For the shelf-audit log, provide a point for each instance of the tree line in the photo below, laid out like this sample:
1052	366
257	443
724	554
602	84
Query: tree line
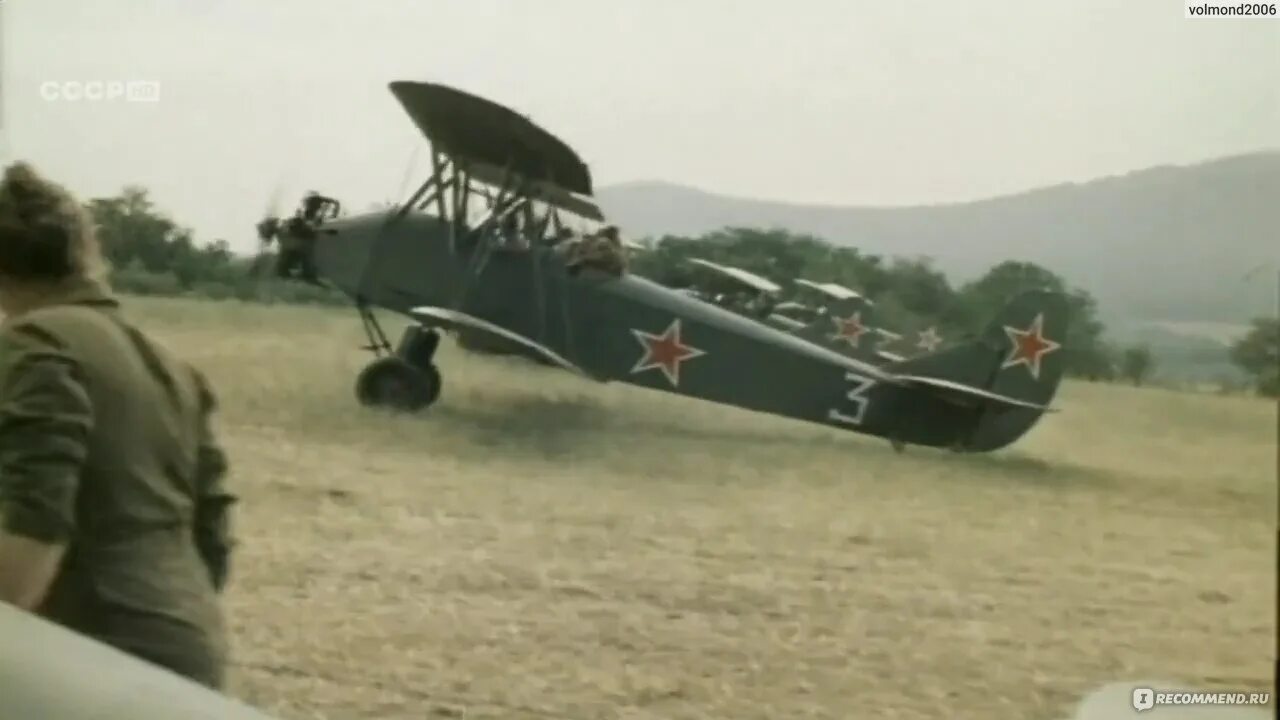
151	254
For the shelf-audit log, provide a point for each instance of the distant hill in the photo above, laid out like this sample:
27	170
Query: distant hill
1185	352
1162	244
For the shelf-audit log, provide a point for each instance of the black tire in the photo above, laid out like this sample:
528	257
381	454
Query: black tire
391	382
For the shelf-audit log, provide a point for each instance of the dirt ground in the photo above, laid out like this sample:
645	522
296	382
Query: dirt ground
539	546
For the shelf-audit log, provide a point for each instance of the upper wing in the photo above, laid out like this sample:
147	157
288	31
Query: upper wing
841	292
792	306
475	130
832	290
786	323
743	277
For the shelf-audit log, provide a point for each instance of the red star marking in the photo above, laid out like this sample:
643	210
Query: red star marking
664	352
929	340
849	329
1029	346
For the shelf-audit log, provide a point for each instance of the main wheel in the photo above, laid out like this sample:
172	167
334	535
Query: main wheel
391	382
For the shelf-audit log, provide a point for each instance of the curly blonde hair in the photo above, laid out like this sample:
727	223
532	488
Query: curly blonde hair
46	236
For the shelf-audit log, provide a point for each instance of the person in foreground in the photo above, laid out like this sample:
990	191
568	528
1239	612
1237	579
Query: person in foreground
114	513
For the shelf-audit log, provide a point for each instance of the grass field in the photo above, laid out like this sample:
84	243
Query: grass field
539	546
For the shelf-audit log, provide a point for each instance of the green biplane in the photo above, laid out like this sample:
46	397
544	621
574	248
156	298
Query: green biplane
481	247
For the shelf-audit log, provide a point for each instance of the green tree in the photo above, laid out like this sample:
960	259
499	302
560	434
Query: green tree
137	238
151	254
1136	364
1258	354
130	228
921	290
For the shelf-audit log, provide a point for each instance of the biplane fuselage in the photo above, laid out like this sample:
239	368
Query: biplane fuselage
629	329
432	262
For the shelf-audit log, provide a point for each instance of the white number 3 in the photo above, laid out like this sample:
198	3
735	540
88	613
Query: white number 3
857	395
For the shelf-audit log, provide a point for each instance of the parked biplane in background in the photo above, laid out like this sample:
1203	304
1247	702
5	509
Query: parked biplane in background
836	321
568	299
735	289
842	322
854	318
827	314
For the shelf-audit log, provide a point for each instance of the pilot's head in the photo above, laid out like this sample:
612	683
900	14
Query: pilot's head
610	232
47	239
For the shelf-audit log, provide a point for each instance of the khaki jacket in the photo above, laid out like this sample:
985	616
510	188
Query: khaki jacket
106	446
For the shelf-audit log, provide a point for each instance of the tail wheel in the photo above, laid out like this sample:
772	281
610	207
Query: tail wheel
393	383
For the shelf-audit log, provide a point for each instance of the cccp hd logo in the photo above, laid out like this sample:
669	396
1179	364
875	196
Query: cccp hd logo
100	90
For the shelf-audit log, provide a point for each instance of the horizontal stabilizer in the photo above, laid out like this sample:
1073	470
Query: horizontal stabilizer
969	395
452	319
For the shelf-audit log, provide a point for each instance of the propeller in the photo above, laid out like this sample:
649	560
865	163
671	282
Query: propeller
270	221
267	227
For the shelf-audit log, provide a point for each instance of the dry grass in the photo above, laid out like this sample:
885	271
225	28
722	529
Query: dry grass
538	546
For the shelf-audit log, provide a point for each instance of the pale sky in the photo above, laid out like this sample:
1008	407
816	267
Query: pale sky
839	101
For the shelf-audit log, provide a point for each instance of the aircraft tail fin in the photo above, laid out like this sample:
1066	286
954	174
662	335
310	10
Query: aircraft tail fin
1009	374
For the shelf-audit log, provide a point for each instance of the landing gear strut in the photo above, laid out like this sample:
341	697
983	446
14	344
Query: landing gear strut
405	380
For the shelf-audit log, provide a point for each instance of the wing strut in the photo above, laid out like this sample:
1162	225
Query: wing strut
433	183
